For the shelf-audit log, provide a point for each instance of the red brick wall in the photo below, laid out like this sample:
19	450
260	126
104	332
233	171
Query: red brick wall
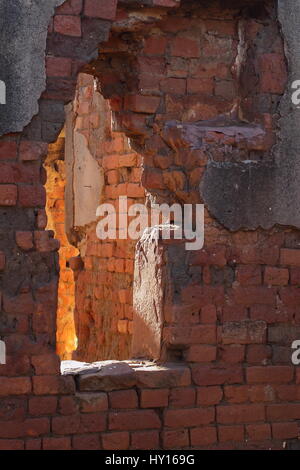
237	387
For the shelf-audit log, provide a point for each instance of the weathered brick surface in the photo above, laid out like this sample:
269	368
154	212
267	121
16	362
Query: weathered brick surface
235	310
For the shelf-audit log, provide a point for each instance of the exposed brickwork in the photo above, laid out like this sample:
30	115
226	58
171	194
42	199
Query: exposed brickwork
235	308
104	284
55	187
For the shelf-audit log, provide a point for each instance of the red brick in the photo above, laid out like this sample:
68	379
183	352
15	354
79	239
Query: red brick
2	262
166	3
144	440
12	429
273	73
30	427
24	240
209	395
201	353
261	393
258	253
93	422
44	241
234	414
231	433
41	220
142	104
115	440
46	364
31	195
67	406
86	442
92	402
212	375
33	444
32	151
290	296
112	177
200	85
52	385
70	7
110	162
175	439
105	9
8	150
232	354
208	314
11	444
154	398
66	424
190	334
290	257
269	314
67	25
149	83
14	368
188	417
214	255
244	332
42	405
295	276
36	426
258	354
13	408
180	397
234	312
14	386
259	432
8	195
129	159
175	86
58	67
287	392
226	89
19	172
152	179
123	399
254	295
276	276
122	326
153	66
249	275
56	443
203	295
283	412
203	436
269	374
185	47
155	45
135	190
228	28
236	394
132	420
285	430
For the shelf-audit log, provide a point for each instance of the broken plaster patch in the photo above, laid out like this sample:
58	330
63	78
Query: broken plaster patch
23	26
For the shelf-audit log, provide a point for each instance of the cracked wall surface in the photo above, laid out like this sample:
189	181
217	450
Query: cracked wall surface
267	191
226	314
23	26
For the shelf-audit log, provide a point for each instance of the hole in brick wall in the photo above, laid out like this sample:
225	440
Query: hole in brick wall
55	188
202	70
91	164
